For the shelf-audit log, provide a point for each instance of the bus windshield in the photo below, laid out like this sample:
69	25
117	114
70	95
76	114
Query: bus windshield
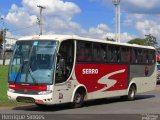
33	62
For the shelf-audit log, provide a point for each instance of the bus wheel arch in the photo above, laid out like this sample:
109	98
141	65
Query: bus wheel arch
78	96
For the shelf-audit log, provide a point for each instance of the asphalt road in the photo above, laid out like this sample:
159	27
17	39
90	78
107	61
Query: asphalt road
145	104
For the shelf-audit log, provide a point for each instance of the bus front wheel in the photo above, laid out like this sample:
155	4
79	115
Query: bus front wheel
78	99
41	106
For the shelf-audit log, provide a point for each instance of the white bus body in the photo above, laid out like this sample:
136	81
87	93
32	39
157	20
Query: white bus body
58	69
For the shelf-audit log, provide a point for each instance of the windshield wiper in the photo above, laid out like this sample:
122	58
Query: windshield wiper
29	68
31	74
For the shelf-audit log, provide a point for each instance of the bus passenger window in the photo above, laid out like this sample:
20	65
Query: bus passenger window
97	52
117	54
114	54
80	53
134	56
125	55
145	56
65	61
103	53
87	54
111	54
140	56
84	52
152	57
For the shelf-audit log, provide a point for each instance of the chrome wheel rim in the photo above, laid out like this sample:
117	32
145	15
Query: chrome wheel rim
132	93
77	98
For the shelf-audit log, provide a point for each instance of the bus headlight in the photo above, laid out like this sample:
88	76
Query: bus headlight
45	92
11	90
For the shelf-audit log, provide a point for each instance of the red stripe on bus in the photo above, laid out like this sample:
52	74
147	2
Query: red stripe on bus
39	87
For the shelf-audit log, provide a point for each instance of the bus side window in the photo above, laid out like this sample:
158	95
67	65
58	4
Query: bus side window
88	52
111	53
84	51
114	54
152	57
80	52
145	56
65	60
140	56
128	54
97	52
125	55
117	54
103	53
134	56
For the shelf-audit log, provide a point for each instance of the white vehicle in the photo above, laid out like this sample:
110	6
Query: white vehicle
58	69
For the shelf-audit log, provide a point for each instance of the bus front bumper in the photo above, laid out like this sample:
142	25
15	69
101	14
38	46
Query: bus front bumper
37	99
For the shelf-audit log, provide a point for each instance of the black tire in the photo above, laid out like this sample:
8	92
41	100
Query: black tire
41	105
78	100
132	93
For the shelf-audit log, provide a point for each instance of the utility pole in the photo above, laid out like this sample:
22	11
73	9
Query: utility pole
117	20
40	19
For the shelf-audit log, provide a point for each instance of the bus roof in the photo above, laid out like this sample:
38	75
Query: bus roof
76	37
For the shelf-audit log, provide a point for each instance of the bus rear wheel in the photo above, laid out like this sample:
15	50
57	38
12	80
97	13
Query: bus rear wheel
78	99
131	94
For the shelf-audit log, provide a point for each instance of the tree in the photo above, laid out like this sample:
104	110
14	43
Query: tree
158	49
149	40
1	37
138	41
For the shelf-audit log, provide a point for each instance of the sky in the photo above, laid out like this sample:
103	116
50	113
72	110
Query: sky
86	18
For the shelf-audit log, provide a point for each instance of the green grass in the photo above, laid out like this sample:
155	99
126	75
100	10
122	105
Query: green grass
4	101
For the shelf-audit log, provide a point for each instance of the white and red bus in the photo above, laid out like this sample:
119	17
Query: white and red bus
58	69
